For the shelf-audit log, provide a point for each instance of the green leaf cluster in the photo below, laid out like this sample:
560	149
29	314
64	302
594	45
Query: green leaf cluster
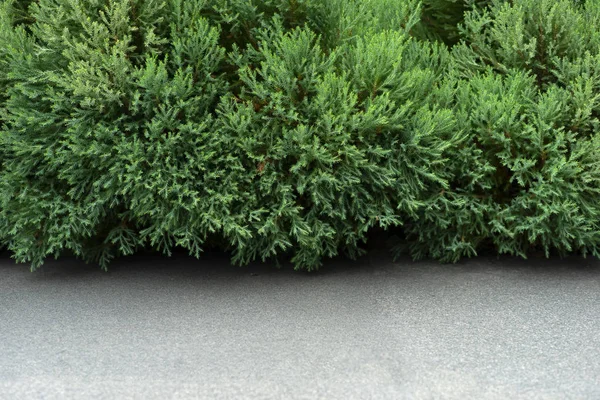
526	82
296	127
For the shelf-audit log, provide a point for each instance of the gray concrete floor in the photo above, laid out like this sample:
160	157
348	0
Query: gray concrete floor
181	328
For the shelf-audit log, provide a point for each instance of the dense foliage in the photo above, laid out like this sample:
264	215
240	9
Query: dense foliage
296	127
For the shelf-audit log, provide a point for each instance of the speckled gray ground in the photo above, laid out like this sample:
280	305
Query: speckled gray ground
180	328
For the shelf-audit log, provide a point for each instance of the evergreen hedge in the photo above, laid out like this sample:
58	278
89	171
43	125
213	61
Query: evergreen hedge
297	127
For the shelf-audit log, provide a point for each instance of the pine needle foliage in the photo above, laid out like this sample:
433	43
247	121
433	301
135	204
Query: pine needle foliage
441	19
272	128
527	97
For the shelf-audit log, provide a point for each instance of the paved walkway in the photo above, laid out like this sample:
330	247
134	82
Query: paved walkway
181	328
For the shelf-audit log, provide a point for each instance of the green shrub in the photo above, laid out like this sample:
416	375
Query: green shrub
296	127
146	123
9	17
527	97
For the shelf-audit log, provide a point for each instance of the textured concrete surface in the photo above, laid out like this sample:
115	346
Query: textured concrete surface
180	328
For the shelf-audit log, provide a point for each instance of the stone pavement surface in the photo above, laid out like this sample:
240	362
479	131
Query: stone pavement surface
182	328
